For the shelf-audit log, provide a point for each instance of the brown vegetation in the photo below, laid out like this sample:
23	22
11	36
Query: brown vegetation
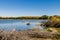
28	35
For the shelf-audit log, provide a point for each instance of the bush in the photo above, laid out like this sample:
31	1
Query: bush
53	22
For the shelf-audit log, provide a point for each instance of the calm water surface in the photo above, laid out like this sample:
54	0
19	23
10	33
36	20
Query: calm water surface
18	24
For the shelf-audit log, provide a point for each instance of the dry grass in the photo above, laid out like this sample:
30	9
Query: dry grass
28	35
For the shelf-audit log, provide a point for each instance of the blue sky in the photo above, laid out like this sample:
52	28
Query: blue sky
29	7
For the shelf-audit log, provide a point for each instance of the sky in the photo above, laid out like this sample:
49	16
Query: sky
29	7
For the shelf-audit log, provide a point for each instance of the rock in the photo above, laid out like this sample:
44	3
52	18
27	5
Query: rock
28	23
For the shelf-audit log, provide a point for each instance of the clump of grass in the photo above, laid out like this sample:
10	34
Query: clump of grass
58	29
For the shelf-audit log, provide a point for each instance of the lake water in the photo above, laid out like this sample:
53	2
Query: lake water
18	24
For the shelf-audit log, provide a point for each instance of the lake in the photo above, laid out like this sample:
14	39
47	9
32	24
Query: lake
19	24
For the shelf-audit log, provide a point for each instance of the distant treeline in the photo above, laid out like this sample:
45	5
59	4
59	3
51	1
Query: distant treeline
26	17
30	17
